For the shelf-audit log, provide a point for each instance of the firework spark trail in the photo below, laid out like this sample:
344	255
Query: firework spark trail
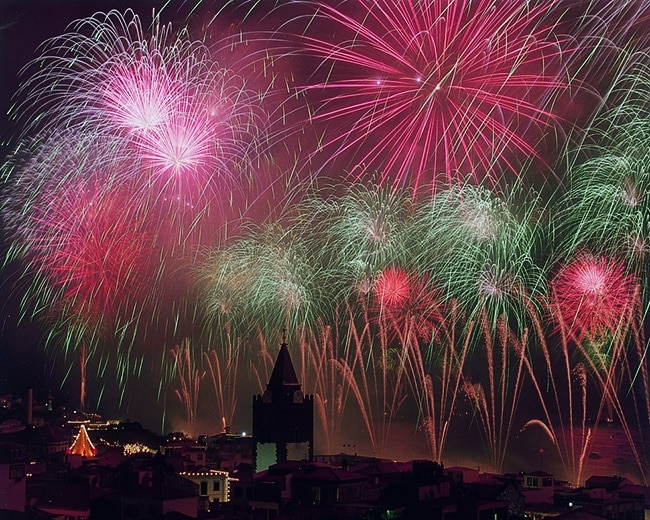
437	393
398	300
604	353
497	407
640	347
602	343
373	373
319	358
572	436
82	367
607	205
611	55
190	379
222	279
451	87
571	460
263	363
223	367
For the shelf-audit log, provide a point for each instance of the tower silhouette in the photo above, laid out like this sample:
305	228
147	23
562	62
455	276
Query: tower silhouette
283	417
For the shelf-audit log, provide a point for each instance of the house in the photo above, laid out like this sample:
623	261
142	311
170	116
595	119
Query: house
147	488
318	483
241	485
606	496
185	454
63	495
213	486
228	451
271	490
12	480
40	443
539	480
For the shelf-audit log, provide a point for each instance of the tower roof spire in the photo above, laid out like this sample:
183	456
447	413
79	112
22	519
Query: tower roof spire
283	376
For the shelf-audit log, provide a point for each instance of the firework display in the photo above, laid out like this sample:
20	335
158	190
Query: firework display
462	225
422	89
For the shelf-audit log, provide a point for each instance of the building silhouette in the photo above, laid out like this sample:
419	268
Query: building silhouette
283	417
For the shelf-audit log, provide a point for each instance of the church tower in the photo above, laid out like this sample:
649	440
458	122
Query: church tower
283	418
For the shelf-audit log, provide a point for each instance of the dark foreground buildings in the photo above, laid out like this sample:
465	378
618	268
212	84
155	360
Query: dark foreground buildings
283	418
125	472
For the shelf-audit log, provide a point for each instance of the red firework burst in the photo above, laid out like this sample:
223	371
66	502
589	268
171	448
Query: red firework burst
88	250
593	295
415	88
402	299
392	288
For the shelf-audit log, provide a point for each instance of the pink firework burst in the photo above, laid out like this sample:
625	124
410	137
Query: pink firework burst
413	88
138	96
189	125
190	128
593	295
190	133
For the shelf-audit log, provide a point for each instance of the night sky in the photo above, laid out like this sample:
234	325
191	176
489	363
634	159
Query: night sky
445	206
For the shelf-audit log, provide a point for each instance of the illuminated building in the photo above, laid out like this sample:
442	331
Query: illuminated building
82	444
